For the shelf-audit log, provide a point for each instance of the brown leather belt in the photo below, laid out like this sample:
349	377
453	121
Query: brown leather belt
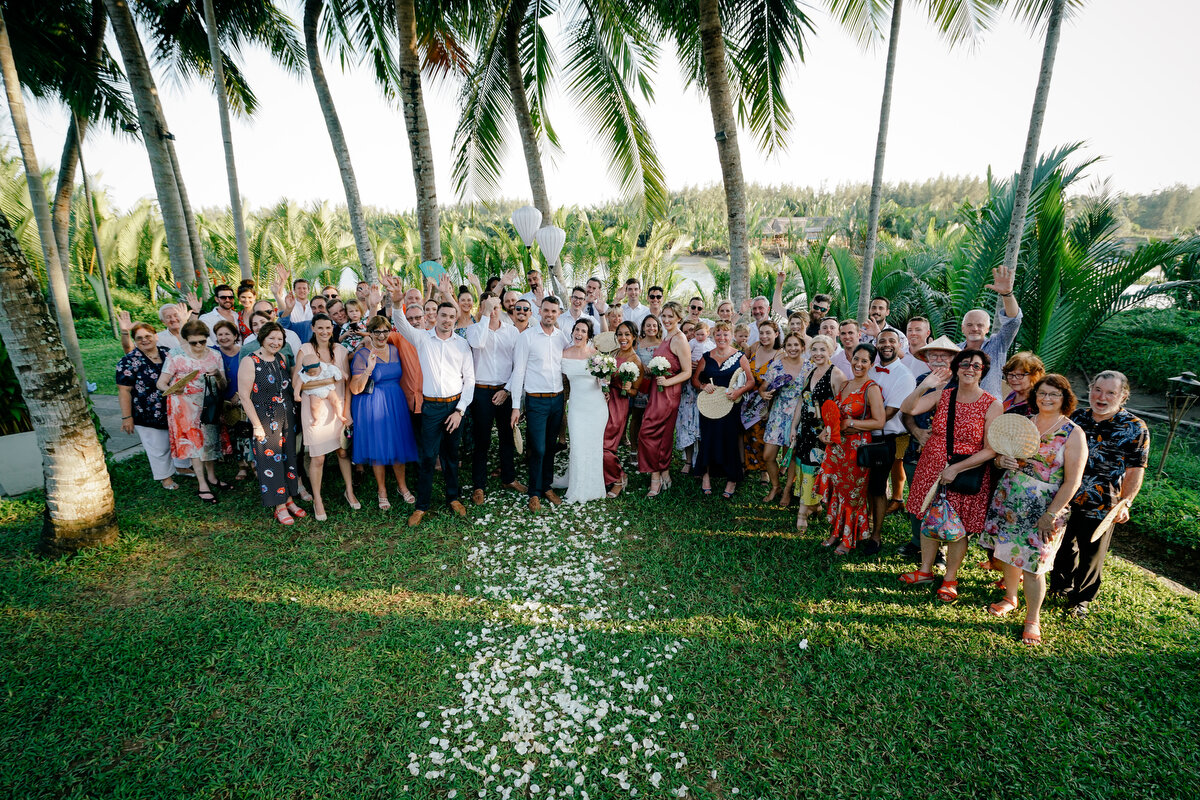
454	399
489	386
542	394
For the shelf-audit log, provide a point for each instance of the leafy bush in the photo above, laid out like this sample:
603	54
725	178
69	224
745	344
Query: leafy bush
14	415
1148	345
92	328
1168	508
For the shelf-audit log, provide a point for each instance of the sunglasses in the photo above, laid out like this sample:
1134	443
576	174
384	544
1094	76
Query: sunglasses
970	367
656	297
822	309
696	308
224	297
523	309
197	341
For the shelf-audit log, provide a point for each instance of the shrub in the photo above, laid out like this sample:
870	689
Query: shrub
1148	345
91	328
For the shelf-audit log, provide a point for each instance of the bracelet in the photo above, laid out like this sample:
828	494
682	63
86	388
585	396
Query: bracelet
1010	294
129	417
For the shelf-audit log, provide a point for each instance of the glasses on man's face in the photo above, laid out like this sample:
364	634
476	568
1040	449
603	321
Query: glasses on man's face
972	367
522	309
224	297
656	297
820	309
696	308
578	297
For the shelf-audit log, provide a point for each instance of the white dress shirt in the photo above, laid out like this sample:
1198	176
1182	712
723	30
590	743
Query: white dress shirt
896	384
916	366
301	312
635	315
212	318
493	351
167	339
447	367
537	363
842	362
567	323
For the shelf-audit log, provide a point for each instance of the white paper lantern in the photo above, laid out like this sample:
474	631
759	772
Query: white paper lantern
527	219
551	239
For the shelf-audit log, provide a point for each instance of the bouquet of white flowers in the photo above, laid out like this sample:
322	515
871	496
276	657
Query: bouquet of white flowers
659	367
602	366
628	372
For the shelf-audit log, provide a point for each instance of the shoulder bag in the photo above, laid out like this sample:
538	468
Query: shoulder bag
210	412
969	481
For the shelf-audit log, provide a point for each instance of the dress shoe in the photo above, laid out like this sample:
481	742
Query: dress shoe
458	508
553	497
870	547
517	486
416	518
535	504
477	497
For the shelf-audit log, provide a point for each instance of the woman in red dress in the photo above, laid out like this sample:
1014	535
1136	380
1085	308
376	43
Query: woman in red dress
656	438
620	392
842	483
974	411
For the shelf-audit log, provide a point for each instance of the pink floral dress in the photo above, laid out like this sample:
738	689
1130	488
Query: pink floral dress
1021	497
190	439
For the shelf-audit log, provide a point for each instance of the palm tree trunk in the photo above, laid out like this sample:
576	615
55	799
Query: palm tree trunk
235	197
417	127
87	196
885	112
40	203
712	42
153	125
61	218
1016	228
199	264
341	152
79	497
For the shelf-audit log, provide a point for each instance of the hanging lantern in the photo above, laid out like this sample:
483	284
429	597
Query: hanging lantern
551	239
527	220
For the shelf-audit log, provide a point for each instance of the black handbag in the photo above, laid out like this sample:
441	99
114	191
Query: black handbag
875	455
210	412
971	480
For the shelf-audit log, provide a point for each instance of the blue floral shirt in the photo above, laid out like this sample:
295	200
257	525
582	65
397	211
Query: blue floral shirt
1114	445
140	374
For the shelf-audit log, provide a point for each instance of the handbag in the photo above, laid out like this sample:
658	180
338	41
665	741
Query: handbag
971	480
210	412
874	455
941	522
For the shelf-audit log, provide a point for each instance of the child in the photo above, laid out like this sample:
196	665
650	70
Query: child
312	370
353	330
701	344
741	335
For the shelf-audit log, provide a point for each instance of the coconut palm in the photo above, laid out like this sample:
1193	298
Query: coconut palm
416	126
957	21
80	510
739	53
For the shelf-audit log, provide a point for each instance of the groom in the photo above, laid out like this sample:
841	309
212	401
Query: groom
537	377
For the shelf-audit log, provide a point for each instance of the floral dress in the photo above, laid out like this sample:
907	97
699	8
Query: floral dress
1021	498
787	388
842	483
275	455
190	439
140	374
754	417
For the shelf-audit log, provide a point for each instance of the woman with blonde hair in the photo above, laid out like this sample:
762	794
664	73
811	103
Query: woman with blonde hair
823	382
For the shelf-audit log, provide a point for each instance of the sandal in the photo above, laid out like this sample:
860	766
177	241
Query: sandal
409	497
841	550
241	475
222	485
1032	637
384	504
916	577
830	542
297	511
207	496
354	504
284	517
170	487
1001	608
948	592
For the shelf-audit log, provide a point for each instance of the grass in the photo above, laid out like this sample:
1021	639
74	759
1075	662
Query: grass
100	357
213	654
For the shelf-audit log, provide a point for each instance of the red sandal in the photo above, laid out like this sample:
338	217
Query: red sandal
916	576
284	517
297	511
948	592
1003	607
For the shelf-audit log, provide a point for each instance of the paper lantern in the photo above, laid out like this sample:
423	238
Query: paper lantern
527	220
551	239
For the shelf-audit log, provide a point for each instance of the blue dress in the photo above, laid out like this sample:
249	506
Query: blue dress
382	427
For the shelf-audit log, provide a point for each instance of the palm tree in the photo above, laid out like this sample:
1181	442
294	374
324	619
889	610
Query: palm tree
39	201
739	53
80	510
957	21
416	125
1034	11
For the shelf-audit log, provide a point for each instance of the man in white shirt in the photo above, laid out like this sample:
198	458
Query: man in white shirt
896	383
224	296
633	310
537	290
695	309
919	334
654	301
596	306
508	302
848	337
492	345
447	386
302	311
537	378
576	312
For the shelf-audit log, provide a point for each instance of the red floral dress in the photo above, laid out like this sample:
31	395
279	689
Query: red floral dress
970	422
841	482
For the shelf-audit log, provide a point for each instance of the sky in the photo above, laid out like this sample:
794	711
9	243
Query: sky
1119	86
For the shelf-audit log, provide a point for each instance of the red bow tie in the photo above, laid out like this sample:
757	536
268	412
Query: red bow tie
882	369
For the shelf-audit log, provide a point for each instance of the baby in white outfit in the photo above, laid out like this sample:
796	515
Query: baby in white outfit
701	344
313	370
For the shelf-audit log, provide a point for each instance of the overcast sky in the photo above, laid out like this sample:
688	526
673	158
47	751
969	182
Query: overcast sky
1120	85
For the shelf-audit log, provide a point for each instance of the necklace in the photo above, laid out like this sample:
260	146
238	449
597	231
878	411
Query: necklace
1050	427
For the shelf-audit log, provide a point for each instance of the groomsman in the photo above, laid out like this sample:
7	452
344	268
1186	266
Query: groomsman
537	377
447	387
492	344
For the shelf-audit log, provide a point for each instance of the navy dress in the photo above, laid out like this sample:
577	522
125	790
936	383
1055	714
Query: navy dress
383	431
275	455
719	451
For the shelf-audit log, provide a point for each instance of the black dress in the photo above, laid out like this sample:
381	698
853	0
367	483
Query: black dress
274	456
719	451
810	450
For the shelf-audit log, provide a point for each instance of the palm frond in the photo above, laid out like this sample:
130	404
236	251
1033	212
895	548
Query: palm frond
484	123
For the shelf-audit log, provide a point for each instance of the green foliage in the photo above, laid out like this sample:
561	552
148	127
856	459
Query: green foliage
1148	345
1168	507
14	414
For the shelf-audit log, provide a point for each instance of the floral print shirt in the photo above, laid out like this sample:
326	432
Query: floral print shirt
140	374
1114	445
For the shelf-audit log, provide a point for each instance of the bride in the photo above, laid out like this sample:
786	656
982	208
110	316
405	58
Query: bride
587	416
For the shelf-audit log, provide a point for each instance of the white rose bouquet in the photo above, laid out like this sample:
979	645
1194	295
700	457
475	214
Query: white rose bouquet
628	372
659	367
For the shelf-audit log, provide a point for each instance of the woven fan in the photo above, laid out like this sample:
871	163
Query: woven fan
606	342
1014	435
715	405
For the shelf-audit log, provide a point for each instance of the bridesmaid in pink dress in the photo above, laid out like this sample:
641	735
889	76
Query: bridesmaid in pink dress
618	407
656	439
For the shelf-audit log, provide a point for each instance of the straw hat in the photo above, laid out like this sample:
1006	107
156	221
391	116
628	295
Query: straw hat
715	405
1014	435
606	342
940	343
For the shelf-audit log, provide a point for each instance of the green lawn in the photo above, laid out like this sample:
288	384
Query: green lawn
646	645
100	358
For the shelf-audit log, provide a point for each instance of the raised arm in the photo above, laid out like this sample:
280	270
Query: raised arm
777	306
917	401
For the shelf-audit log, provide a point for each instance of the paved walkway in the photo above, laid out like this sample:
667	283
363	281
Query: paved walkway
121	445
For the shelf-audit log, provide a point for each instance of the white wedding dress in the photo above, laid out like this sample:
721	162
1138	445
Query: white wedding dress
587	417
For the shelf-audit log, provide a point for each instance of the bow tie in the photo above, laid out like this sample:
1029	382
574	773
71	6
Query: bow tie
883	370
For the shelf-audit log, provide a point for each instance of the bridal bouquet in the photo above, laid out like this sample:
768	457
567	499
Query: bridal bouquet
628	372
601	366
659	367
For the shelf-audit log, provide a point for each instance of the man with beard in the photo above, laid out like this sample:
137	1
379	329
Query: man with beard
896	382
817	309
876	323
